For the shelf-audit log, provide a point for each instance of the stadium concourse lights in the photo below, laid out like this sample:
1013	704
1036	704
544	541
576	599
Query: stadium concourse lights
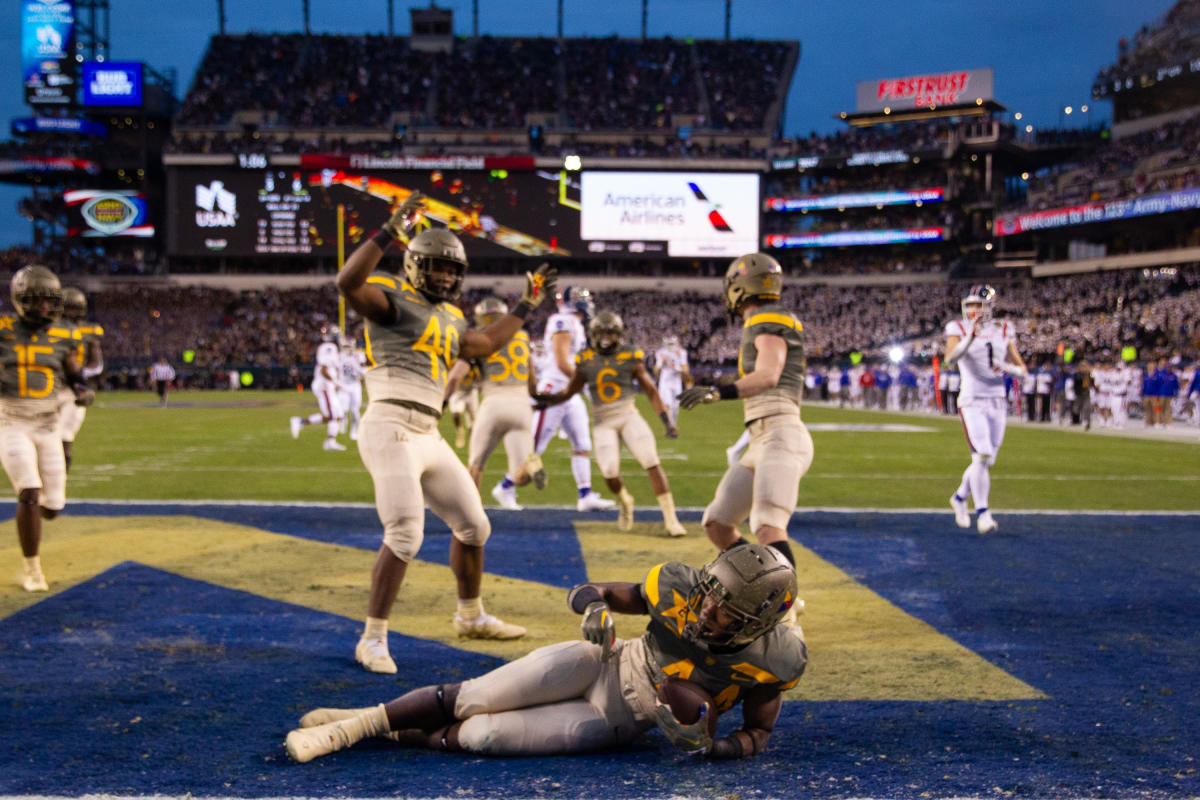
573	163
896	354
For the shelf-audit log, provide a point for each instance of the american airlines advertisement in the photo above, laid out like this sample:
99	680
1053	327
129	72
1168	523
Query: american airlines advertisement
679	214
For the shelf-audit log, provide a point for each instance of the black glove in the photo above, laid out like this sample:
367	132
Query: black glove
695	395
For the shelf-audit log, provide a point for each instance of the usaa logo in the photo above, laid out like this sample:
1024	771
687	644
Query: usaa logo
216	206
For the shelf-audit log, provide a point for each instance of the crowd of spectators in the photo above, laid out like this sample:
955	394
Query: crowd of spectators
912	137
1172	39
276	331
331	81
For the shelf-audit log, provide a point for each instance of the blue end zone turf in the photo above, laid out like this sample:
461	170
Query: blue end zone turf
139	681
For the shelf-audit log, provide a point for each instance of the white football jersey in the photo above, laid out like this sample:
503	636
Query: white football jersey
551	376
979	372
672	361
328	355
353	366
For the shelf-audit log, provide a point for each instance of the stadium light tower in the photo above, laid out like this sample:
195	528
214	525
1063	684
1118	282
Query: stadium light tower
560	18
728	17
221	17
645	10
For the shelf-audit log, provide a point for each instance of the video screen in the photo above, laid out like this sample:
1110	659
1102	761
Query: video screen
497	212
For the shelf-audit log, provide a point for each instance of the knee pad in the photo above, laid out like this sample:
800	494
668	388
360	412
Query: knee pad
403	537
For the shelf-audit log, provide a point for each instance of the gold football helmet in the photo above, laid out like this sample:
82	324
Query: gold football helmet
33	285
755	276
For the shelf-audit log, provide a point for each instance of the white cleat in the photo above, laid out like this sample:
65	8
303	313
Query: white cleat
625	512
323	716
374	656
485	626
985	523
594	502
962	517
675	528
333	444
296	423
354	433
35	582
507	498
305	744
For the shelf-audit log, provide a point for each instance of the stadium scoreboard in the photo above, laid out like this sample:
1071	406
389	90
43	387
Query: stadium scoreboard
499	207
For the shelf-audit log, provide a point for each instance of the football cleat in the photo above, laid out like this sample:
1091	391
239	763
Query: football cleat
354	432
985	523
485	626
35	582
962	517
323	716
374	656
594	502
507	498
533	466
675	528
305	744
333	444
625	512
296	424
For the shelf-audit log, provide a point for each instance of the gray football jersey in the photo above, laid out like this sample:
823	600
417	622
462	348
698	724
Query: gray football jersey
507	369
31	362
777	658
609	378
410	358
784	397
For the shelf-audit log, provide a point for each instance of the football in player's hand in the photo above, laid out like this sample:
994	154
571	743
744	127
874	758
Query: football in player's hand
685	699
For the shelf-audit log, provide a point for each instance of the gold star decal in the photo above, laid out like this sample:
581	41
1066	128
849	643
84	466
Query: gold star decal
679	611
6	323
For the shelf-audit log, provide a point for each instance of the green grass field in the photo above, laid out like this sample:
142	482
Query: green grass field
236	446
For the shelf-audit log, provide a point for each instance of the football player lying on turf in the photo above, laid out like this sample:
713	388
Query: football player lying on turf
715	625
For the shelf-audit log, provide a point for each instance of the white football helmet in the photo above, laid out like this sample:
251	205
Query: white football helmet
577	299
982	295
670	341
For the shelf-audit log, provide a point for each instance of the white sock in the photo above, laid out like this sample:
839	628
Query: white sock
964	487
312	419
470	608
667	503
331	428
981	484
625	496
33	564
581	468
375	628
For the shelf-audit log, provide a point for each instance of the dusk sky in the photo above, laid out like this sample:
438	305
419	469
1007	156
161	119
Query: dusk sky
1045	53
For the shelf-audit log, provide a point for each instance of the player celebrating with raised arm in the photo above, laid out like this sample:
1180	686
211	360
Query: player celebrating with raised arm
716	625
609	371
984	350
765	481
91	363
36	357
414	335
504	411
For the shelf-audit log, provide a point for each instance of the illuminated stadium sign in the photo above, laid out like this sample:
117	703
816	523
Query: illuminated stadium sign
855	238
923	91
48	51
99	213
803	162
1146	205
498	211
855	200
49	164
112	83
58	125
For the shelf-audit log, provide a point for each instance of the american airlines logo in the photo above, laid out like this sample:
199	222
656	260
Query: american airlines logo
714	215
216	206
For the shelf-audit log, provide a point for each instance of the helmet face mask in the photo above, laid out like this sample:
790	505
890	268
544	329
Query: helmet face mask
37	295
756	276
330	333
606	331
436	252
488	310
740	596
978	303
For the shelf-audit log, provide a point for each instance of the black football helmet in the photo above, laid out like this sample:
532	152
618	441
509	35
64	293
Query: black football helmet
606	331
751	583
30	287
436	247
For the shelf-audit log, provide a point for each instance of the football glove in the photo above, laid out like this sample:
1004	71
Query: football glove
598	627
399	226
539	284
84	397
693	738
695	395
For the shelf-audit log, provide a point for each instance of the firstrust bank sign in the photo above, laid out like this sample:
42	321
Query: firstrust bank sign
923	91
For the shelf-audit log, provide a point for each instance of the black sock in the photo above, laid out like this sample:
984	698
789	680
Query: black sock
785	548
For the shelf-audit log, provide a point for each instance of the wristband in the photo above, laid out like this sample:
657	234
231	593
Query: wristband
726	747
727	391
522	310
665	418
582	596
383	239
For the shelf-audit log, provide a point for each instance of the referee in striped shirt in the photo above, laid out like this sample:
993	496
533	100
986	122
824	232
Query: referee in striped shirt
162	374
